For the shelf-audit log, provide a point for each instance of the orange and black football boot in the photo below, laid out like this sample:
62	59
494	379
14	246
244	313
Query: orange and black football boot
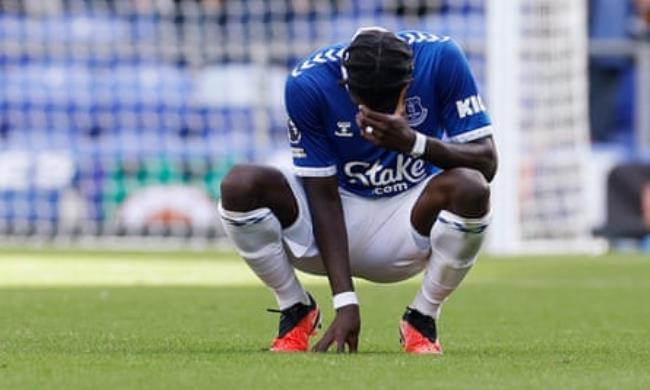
297	324
418	333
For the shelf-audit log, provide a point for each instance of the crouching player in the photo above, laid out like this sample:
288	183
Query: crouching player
393	153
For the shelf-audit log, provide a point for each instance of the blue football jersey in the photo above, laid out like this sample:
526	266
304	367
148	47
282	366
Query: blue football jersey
442	101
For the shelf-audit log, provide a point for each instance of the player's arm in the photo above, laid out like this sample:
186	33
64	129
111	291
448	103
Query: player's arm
479	154
393	132
315	162
329	230
331	238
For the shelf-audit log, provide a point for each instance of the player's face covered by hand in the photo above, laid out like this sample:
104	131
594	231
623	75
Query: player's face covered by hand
389	131
387	101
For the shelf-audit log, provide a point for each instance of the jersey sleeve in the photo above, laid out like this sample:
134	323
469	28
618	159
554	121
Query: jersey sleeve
311	150
463	113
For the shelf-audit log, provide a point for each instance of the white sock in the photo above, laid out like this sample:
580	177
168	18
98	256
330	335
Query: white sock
257	234
455	242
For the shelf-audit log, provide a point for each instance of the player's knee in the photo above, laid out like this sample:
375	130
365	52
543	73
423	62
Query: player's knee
238	187
471	195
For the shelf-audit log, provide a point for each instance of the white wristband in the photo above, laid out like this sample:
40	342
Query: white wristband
420	145
345	299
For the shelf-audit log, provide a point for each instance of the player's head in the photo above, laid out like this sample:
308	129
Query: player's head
377	68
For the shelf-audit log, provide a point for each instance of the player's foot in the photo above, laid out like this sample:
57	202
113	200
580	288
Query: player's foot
297	324
418	333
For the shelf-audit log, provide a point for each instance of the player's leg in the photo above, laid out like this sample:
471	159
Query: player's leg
257	207
452	214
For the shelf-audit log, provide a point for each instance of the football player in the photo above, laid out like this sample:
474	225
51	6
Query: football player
393	155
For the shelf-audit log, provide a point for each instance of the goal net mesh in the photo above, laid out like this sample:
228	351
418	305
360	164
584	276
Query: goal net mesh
553	116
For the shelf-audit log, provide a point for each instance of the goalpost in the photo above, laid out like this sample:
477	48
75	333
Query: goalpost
537	88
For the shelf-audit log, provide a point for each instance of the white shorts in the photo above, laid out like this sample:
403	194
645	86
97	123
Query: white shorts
381	242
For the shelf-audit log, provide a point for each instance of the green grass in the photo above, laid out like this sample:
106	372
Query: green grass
155	321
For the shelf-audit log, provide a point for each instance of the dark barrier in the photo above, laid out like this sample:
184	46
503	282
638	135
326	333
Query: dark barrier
628	202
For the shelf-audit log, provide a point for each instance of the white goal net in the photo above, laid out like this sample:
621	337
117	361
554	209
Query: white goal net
538	89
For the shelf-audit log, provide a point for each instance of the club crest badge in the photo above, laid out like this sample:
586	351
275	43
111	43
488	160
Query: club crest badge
293	132
416	114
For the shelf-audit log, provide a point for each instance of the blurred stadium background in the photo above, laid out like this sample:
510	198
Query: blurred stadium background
119	118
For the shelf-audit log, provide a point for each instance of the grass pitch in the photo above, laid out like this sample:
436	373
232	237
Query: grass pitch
155	321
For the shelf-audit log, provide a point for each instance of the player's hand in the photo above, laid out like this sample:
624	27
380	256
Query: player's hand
390	131
343	330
